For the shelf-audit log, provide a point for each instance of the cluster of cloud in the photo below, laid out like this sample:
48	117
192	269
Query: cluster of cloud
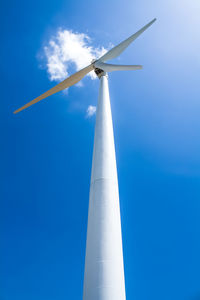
91	110
69	49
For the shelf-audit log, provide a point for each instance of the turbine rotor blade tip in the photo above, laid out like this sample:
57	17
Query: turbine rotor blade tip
71	80
117	50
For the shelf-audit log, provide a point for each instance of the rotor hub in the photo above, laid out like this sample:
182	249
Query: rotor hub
99	72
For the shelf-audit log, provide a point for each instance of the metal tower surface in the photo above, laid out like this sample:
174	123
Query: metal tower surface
104	270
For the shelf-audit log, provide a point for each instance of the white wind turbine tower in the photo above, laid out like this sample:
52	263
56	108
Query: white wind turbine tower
104	270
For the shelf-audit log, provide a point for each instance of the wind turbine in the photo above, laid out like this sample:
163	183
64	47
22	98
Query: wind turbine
104	269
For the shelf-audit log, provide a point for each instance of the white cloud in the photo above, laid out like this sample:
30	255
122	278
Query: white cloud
69	49
91	110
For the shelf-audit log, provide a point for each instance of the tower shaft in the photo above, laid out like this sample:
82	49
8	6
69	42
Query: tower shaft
104	270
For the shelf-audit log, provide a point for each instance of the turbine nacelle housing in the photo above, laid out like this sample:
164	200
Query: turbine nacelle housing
99	72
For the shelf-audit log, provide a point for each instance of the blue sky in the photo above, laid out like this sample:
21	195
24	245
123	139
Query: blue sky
46	151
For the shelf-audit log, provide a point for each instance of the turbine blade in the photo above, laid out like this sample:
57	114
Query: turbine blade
117	50
111	68
73	79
